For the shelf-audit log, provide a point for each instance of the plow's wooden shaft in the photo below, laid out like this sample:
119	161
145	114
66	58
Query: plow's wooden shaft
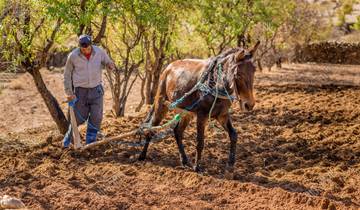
75	130
107	140
130	133
120	137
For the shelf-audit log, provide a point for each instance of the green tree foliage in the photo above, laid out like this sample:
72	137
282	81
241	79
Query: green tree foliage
143	36
226	22
346	8
357	24
80	16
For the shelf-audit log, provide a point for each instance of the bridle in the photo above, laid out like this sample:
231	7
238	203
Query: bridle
233	69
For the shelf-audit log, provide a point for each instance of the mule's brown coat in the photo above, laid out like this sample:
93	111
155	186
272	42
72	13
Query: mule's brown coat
182	75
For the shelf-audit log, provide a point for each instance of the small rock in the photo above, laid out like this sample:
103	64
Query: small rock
8	202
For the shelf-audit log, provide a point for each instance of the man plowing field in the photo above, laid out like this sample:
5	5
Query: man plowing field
201	88
83	87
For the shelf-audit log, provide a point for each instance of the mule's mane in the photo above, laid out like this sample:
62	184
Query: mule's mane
213	77
228	52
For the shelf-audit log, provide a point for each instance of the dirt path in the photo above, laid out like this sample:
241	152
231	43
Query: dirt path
299	149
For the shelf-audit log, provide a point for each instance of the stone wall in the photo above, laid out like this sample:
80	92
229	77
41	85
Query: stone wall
328	52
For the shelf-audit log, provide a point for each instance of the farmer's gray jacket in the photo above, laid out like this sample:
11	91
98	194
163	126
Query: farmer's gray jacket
81	72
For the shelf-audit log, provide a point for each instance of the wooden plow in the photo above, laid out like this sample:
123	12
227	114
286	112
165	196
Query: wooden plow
159	136
139	131
161	132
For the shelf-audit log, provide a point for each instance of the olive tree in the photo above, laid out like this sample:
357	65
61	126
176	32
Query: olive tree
30	28
28	34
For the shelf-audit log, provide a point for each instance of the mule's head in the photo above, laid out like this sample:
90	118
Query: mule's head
241	77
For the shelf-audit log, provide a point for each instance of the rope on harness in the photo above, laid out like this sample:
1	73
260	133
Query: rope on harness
216	96
175	119
206	89
231	98
196	87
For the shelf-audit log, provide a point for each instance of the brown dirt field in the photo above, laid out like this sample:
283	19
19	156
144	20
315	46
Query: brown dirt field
298	149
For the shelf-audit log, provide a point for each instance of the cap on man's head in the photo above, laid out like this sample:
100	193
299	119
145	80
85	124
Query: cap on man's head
84	40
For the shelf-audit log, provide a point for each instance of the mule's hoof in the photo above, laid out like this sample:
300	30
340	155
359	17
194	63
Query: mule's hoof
187	165
142	157
229	172
229	175
198	169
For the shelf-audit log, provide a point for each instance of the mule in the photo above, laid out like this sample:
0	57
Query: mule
230	73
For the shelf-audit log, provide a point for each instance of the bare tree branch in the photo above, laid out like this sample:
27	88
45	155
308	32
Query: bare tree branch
102	30
50	41
82	9
37	28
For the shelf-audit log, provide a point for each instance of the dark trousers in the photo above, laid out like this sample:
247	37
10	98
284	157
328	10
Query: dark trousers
89	106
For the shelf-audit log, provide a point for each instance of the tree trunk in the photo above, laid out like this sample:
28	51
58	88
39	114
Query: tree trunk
155	82
53	106
149	79
148	71
32	64
115	89
156	65
82	8
122	107
259	65
102	30
116	107
142	90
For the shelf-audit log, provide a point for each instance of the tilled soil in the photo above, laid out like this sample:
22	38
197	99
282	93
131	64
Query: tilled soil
298	149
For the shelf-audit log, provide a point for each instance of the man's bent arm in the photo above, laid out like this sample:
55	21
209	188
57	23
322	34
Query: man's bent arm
107	61
68	83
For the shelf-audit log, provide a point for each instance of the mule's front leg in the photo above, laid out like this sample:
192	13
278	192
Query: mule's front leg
233	140
225	122
200	124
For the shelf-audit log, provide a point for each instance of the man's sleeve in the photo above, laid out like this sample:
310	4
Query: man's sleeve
68	83
105	58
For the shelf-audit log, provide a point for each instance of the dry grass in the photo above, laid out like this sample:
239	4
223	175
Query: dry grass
16	85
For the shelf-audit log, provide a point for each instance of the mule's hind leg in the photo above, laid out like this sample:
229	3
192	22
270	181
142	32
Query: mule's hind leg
160	110
179	134
225	122
200	126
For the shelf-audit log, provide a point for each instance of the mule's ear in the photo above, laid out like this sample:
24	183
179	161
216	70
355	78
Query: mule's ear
239	55
253	49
